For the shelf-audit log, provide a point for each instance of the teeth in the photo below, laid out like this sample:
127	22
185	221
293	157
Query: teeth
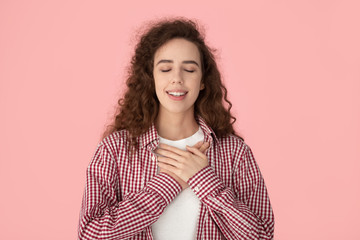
177	93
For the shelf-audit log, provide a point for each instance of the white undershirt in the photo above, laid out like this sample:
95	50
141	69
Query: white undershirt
179	219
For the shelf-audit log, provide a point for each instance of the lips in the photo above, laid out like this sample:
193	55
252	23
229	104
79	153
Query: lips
177	93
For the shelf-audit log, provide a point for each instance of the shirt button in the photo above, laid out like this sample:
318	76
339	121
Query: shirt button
153	158
196	189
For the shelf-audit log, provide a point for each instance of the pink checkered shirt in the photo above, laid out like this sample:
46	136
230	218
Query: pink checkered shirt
124	195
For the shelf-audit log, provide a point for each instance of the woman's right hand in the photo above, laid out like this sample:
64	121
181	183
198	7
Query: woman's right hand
199	145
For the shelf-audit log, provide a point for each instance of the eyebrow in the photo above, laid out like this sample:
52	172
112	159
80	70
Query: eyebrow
171	61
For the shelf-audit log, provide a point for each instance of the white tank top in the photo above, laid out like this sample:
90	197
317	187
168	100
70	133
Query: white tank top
179	219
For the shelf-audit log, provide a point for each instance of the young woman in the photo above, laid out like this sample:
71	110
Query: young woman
171	166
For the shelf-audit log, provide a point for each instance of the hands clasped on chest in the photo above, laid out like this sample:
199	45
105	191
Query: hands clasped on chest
180	164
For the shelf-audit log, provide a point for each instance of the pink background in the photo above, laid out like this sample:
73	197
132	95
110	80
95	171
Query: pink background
292	69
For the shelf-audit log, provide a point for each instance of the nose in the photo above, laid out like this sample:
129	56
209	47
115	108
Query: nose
177	77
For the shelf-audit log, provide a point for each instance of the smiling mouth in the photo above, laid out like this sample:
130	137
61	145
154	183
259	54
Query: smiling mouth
177	94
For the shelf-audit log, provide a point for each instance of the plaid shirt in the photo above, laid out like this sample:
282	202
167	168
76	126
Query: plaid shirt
124	195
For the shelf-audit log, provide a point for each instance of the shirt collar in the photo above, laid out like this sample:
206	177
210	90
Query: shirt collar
150	138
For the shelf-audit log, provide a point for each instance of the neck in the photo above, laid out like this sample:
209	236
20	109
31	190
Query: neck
174	126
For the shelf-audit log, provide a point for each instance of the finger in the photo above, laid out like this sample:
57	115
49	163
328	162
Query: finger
196	151
167	153
198	144
172	149
167	167
168	161
204	147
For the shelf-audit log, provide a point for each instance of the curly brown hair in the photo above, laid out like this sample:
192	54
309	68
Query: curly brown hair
139	106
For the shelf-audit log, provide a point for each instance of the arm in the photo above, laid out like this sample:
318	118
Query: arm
245	214
104	216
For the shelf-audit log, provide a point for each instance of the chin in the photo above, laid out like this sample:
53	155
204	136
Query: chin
177	110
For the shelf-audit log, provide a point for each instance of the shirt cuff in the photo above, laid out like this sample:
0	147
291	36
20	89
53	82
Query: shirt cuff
166	186
205	182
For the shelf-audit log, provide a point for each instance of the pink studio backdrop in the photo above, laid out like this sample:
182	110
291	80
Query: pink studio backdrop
292	69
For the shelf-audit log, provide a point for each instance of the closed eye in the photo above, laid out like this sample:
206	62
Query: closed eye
168	70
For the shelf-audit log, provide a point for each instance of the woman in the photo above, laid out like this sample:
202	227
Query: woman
171	166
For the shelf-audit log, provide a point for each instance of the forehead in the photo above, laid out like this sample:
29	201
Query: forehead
178	49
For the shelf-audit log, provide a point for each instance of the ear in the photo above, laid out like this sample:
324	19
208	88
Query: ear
202	86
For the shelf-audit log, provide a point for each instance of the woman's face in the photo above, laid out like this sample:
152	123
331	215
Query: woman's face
177	75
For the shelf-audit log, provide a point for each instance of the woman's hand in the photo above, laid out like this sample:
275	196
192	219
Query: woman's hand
202	146
182	165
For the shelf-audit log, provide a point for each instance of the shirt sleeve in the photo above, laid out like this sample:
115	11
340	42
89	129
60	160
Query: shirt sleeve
243	212
104	216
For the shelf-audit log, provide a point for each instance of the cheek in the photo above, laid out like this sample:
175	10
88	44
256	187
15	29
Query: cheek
196	82
161	81
159	86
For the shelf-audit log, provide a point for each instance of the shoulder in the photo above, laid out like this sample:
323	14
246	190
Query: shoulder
234	144
242	157
116	142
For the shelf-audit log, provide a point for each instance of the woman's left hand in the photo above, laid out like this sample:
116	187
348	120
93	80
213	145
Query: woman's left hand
184	164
